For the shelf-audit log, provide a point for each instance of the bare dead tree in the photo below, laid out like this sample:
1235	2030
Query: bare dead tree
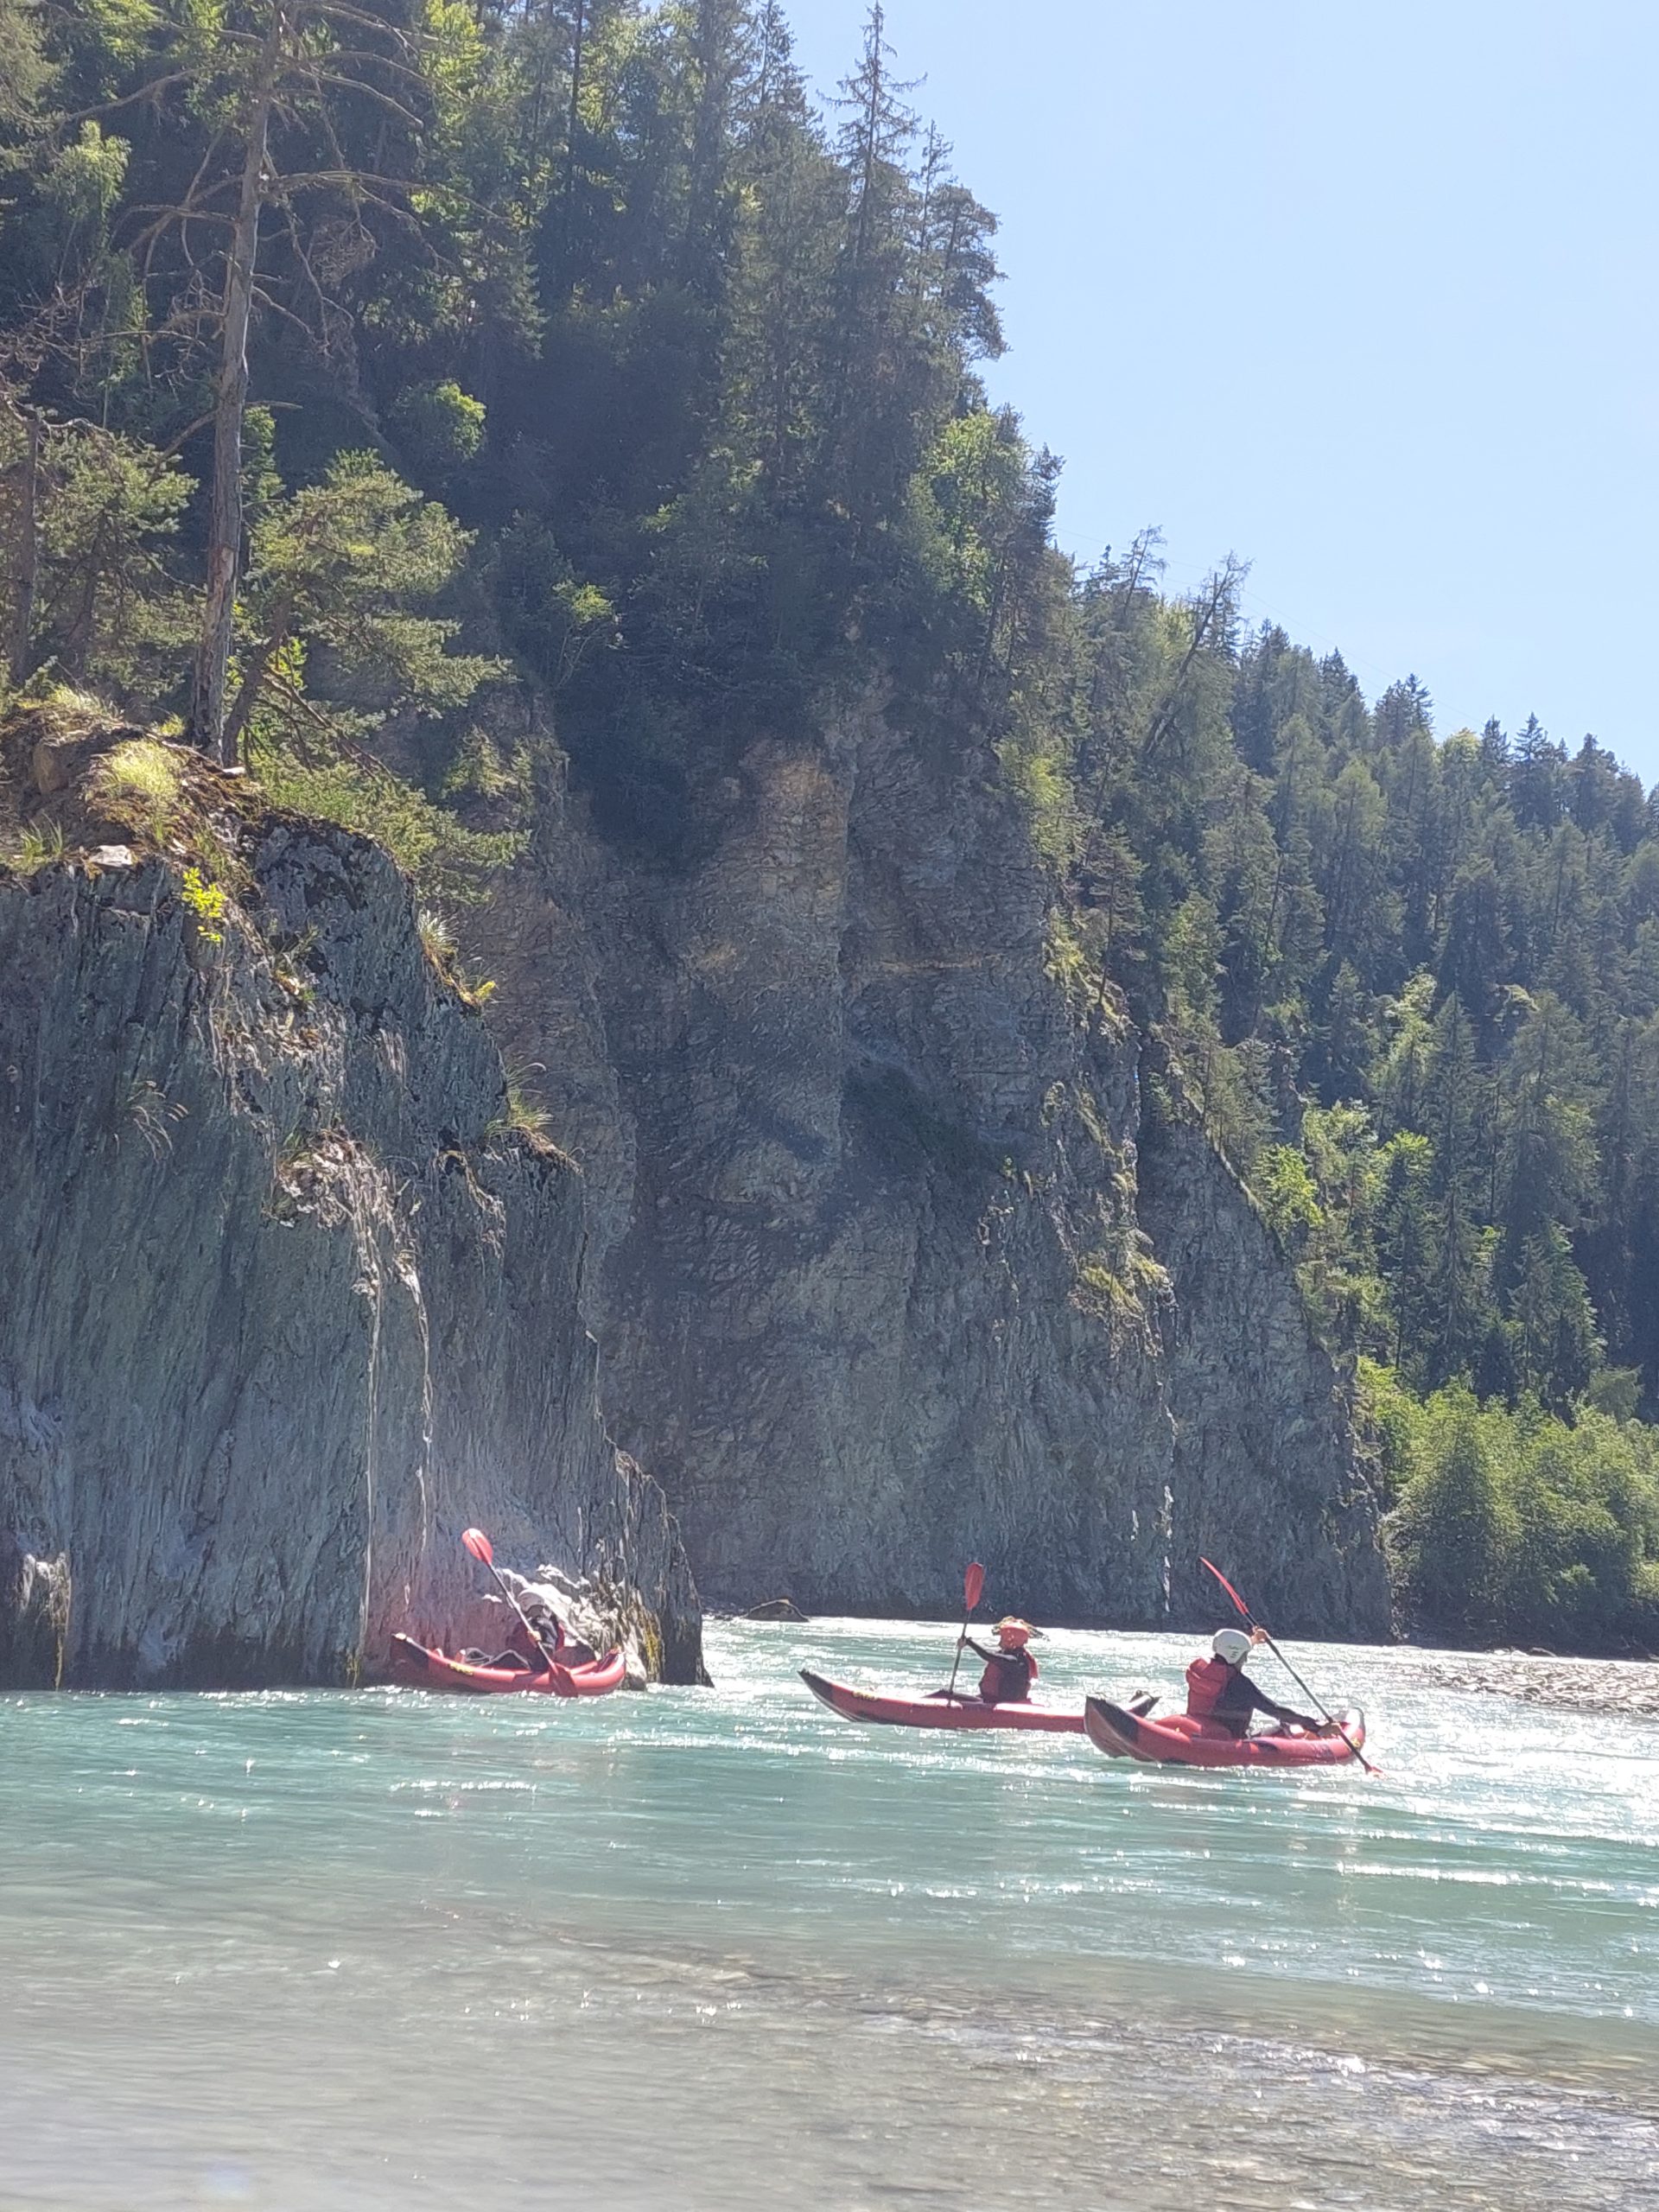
207	716
1209	611
24	478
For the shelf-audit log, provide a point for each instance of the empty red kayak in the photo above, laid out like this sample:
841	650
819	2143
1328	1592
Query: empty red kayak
1180	1741
964	1709
435	1670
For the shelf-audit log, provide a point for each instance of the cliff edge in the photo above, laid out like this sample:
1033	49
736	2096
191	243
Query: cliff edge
288	1297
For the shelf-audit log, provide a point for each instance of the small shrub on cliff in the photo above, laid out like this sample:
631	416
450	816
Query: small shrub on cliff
523	1118
427	842
206	901
437	939
529	1119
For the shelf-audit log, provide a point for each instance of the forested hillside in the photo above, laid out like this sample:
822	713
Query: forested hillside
595	377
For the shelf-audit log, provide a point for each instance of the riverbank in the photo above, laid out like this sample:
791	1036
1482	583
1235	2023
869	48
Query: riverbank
1630	1687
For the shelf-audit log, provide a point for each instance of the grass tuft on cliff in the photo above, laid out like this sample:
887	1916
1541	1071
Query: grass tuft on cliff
140	781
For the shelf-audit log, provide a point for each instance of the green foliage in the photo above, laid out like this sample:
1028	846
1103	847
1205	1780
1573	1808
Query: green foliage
966	504
335	570
1520	1526
206	901
1452	1531
109	608
443	857
522	1116
1287	1194
84	181
437	939
25	74
1039	779
556	619
441	425
482	767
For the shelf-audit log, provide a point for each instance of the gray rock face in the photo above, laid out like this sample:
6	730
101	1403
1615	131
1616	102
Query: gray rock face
885	1281
1253	1393
285	1303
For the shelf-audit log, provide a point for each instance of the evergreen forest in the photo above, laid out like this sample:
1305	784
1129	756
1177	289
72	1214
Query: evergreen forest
367	364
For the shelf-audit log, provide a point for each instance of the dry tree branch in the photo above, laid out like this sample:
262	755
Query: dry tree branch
128	99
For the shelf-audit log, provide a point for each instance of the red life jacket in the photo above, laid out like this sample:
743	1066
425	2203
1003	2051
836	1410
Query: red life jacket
1009	1678
1205	1681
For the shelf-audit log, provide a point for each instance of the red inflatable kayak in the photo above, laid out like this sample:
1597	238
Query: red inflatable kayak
1179	1741
964	1710
435	1670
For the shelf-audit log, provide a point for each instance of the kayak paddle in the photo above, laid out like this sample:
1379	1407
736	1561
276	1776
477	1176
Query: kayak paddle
1286	1664
973	1584
475	1541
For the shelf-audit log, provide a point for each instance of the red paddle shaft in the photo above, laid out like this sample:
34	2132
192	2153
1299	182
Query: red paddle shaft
475	1541
973	1584
1286	1664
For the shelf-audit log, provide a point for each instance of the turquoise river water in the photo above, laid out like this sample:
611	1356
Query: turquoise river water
719	1947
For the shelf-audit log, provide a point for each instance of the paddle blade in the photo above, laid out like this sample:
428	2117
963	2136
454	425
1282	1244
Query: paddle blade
478	1544
973	1584
1226	1585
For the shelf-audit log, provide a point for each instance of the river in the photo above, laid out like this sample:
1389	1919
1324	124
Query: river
698	1948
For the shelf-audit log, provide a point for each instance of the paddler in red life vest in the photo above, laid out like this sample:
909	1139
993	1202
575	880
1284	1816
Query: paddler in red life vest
1218	1690
1010	1670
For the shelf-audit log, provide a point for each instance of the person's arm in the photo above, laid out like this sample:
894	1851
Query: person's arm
966	1643
1260	1702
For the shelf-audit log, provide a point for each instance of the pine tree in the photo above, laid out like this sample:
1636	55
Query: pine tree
1557	1344
1456	1533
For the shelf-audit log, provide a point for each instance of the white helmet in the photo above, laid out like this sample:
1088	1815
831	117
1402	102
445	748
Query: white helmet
1232	1645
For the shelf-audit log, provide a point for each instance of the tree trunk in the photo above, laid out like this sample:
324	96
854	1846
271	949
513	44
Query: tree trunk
26	556
254	673
572	124
207	727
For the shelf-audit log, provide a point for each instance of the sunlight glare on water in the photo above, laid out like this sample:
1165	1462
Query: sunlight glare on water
296	1951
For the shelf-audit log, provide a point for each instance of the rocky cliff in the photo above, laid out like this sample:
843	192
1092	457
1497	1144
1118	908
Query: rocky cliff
286	1298
897	1267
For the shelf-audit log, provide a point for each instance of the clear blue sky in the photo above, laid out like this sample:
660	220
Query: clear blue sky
1366	294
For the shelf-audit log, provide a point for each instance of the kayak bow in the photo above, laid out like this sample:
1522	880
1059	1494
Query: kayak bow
888	1709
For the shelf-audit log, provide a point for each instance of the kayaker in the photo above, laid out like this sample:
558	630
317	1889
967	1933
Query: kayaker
558	1645
539	1645
1011	1669
545	1609
1219	1691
